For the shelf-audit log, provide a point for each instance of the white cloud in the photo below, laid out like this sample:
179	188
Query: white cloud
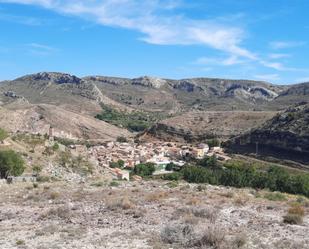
149	18
159	24
229	61
40	49
286	44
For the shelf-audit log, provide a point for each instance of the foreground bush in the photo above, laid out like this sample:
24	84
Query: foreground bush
11	163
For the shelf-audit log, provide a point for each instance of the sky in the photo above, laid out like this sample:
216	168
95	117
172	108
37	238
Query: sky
235	39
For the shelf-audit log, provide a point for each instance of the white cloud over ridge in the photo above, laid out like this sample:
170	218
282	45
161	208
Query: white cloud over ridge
160	25
147	18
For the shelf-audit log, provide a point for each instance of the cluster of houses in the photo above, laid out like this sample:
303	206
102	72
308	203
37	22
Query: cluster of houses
159	153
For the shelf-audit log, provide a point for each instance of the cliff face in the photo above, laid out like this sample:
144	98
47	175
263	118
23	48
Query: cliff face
285	136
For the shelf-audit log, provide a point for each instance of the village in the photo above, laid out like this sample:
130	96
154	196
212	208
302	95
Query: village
159	153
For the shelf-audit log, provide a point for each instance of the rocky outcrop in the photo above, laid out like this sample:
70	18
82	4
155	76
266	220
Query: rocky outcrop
58	78
149	82
285	136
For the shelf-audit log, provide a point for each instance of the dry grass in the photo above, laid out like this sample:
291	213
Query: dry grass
120	203
54	195
209	213
240	201
239	241
157	196
193	201
227	194
61	212
212	236
295	215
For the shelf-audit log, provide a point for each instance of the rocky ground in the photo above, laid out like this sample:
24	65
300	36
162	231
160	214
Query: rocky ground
148	214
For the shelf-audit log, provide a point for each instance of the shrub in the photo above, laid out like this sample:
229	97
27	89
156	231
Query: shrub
55	147
276	196
20	242
172	177
180	234
213	236
294	215
54	195
239	241
297	209
114	184
293	219
11	163
36	169
122	139
120	203
213	142
172	184
209	162
3	135
144	169
209	213
118	164
170	166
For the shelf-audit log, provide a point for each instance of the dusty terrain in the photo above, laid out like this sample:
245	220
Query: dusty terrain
38	118
151	214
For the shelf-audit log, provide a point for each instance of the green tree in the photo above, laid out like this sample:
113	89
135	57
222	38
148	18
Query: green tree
209	162
11	163
118	164
144	169
3	135
170	166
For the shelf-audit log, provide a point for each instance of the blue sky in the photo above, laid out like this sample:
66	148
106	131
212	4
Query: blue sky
247	39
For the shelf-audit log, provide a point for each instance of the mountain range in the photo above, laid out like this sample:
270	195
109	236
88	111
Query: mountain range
190	109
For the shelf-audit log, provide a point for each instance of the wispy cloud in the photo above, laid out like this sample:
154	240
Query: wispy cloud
159	23
40	49
150	19
25	20
229	61
278	56
286	44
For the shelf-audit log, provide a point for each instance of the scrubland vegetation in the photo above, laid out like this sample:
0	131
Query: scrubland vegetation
136	121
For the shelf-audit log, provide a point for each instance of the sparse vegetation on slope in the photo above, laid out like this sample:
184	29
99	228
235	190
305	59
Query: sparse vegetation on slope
136	121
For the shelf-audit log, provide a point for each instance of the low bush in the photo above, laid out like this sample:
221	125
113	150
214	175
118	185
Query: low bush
293	219
144	169
180	234
172	176
213	236
295	215
276	196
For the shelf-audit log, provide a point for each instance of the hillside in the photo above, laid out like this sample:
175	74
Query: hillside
199	126
190	101
285	136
